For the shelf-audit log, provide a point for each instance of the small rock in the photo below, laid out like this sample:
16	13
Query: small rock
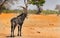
38	32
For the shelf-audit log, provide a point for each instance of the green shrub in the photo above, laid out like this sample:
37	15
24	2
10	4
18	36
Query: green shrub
49	12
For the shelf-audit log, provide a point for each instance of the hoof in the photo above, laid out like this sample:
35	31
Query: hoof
12	36
18	35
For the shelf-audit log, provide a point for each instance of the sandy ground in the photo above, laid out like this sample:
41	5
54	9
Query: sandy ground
35	26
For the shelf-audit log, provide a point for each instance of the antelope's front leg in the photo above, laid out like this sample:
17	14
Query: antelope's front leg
19	29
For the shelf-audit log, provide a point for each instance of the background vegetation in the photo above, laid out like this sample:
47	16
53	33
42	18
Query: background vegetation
31	11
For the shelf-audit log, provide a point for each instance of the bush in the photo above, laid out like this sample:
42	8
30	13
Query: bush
32	11
49	12
11	11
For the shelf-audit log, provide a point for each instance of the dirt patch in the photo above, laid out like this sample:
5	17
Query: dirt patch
36	26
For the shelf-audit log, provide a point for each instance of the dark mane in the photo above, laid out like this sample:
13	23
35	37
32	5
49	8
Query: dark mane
20	15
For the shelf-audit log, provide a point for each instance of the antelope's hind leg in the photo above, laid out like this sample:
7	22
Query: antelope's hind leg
13	26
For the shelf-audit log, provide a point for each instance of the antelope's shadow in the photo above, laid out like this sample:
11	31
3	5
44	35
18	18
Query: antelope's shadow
13	37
